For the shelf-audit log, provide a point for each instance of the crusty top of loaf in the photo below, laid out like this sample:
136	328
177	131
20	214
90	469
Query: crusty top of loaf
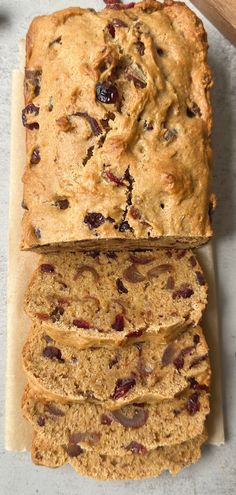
141	163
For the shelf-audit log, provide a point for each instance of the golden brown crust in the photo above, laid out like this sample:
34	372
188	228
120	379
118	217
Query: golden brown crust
164	177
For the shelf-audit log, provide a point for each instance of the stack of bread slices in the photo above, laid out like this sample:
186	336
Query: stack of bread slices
117	191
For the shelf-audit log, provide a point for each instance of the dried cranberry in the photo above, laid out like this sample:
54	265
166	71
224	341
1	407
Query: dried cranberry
196	385
106	420
46	268
198	360
168	355
193	405
136	333
111	30
136	448
52	352
123	386
124	226
200	278
106	92
140	47
41	420
185	293
179	361
62	204
118	323
114	178
35	157
57	313
196	339
113	361
30	108
73	450
94	220
120	287
193	261
81	324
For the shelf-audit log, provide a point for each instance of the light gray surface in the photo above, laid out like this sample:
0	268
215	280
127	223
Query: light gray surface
216	472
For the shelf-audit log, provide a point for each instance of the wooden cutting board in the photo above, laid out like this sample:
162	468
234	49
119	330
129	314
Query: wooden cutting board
222	13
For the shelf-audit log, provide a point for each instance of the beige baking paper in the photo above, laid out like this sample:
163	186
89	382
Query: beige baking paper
18	432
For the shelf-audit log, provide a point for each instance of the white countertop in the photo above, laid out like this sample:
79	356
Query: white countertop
215	474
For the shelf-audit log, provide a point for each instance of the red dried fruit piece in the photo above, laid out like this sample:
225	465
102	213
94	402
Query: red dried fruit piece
106	420
114	178
196	339
94	220
118	323
35	157
73	450
141	260
62	204
136	448
47	268
111	30
137	421
135	213
136	333
96	129
120	287
200	278
193	261
89	437
185	293
181	253
131	274
193	405
106	92
140	47
179	362
81	324
123	386
198	360
30	108
52	352
168	355
196	385
52	409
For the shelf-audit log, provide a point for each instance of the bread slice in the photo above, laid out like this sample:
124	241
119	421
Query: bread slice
93	427
157	372
127	467
109	299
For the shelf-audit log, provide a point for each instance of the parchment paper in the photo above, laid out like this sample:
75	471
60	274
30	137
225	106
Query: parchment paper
20	267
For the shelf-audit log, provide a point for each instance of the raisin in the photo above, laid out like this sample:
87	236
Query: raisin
52	352
120	287
135	213
106	420
185	293
136	448
106	92
62	204
118	323
94	220
193	383
124	226
57	313
46	268
200	278
114	178
41	420
30	108
140	47
81	324
193	405
136	333
35	157
123	386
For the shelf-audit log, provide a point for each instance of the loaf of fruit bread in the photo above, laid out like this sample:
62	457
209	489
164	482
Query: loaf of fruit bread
137	373
118	138
93	427
134	466
86	299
